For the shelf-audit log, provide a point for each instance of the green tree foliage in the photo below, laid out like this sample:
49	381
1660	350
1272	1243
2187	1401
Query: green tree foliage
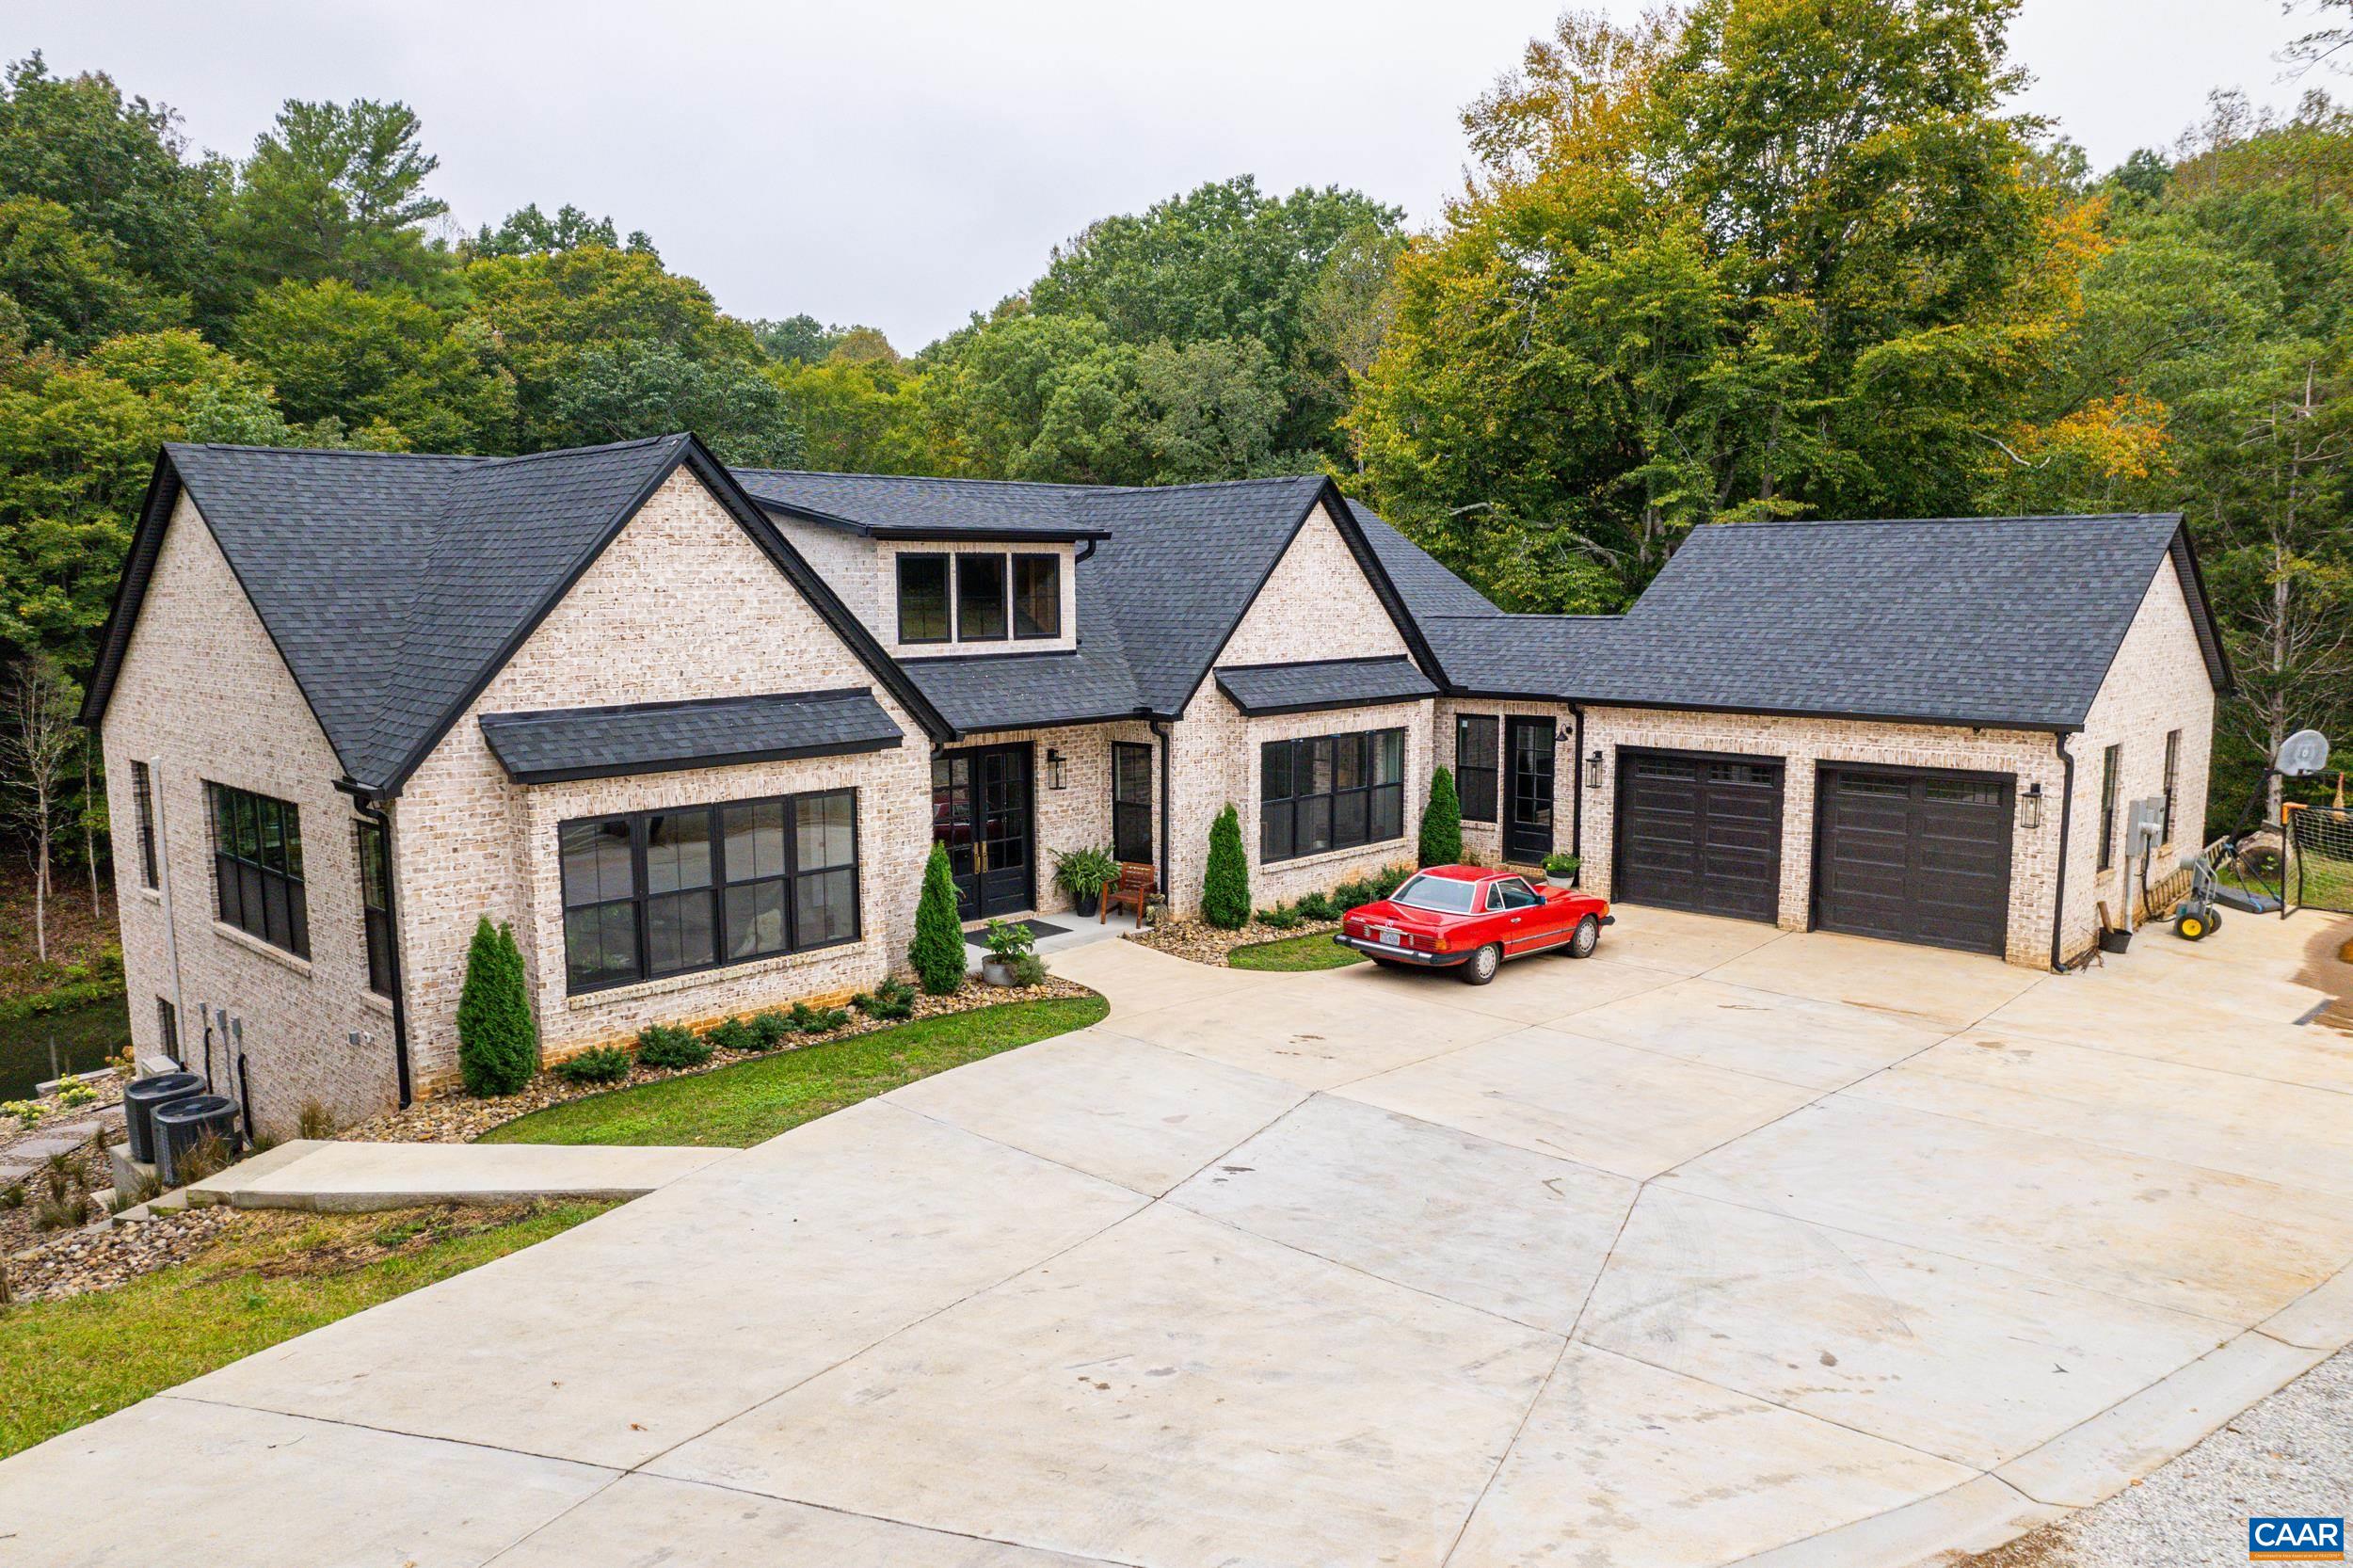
498	1043
937	952
529	231
379	358
802	337
622	391
1441	823
1768	258
1225	881
66	290
335	190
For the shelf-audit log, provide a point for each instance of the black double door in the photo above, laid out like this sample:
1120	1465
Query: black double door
981	810
1527	791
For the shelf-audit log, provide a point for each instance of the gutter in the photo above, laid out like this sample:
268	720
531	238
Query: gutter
369	806
1160	728
2067	809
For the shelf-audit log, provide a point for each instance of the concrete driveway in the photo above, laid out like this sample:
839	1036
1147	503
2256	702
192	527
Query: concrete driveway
1726	1245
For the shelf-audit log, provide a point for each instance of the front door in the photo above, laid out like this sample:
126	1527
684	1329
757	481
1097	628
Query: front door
981	812
1528	801
1132	803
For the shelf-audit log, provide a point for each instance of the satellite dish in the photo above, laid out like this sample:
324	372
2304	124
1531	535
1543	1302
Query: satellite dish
2302	753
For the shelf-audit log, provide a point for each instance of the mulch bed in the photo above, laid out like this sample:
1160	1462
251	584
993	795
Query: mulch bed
458	1118
1205	944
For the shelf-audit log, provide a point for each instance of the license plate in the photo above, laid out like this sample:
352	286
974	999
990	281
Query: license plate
1391	938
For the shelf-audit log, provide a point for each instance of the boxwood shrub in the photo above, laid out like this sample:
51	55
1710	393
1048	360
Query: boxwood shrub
669	1046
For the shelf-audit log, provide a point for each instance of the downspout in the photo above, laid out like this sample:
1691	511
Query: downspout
1160	728
1577	786
2067	809
383	820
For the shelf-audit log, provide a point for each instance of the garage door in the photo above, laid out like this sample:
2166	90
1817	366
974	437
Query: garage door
1913	856
1701	832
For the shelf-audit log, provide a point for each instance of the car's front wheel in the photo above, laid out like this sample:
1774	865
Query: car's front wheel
1479	968
1587	937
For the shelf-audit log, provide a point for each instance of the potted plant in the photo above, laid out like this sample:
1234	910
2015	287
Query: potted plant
1560	870
1012	958
1083	873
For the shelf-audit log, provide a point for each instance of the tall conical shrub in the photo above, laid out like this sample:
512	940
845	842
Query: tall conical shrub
498	1045
1225	884
937	953
1441	823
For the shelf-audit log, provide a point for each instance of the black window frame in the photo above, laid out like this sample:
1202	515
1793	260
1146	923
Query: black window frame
2172	777
371	850
2111	778
946	595
1484	805
790	879
1345	816
258	885
968	561
1052	563
1131	820
143	802
168	1028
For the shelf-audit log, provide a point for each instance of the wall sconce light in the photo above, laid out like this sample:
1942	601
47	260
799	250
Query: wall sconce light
1593	770
1056	772
2030	809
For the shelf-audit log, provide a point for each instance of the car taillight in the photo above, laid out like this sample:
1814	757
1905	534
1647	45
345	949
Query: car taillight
1434	944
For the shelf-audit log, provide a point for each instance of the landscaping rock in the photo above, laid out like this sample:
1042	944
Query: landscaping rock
102	1257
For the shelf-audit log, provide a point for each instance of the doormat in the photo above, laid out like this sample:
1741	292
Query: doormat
1039	930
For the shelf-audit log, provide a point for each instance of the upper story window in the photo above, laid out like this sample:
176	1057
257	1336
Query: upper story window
1037	596
980	598
143	795
658	893
924	616
1330	792
257	867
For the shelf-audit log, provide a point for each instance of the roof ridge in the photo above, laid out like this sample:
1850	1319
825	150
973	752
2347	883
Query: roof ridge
1054	487
1880	522
328	452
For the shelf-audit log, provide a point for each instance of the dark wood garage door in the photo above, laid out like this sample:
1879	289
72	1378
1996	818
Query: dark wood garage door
1700	833
1915	856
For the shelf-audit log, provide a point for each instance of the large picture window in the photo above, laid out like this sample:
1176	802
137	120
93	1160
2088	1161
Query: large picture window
1037	596
668	892
922	599
257	867
376	904
1330	792
980	598
1476	748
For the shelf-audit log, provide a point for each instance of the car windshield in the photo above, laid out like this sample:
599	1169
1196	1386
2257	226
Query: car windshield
1441	893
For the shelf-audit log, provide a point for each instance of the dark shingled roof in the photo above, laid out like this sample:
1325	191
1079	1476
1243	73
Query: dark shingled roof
1325	684
900	506
1427	588
1987	621
396	585
664	737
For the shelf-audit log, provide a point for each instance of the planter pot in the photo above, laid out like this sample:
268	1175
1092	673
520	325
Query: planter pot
2115	941
1568	880
996	973
1086	902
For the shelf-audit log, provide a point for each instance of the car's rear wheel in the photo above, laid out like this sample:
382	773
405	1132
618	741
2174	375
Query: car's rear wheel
1479	968
1587	937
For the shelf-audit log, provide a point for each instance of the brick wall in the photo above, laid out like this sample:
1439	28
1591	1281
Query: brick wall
682	605
1078	815
202	695
1482	841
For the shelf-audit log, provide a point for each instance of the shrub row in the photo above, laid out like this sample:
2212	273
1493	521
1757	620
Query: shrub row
1332	906
671	1046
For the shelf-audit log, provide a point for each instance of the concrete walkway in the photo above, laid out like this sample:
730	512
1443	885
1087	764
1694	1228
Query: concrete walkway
1723	1246
355	1178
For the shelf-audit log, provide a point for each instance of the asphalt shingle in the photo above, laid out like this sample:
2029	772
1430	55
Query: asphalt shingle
1324	683
661	737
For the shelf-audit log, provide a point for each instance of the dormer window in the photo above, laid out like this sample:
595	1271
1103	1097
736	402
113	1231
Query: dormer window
981	598
923	599
1037	596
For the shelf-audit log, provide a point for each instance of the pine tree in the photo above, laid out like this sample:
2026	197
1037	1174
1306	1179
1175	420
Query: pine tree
1441	823
1225	885
937	953
498	1045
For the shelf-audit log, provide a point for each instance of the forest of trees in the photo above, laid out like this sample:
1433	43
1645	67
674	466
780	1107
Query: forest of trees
1748	258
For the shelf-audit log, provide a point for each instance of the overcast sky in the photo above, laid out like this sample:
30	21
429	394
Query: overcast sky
902	164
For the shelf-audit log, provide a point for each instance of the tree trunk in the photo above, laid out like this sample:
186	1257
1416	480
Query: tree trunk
40	880
89	836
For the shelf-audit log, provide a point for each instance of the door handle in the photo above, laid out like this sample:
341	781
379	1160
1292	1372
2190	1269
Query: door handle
980	855
1515	920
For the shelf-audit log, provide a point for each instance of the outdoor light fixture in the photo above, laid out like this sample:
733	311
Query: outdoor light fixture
2030	809
1593	770
1055	775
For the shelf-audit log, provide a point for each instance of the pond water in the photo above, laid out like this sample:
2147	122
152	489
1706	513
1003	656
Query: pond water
83	1038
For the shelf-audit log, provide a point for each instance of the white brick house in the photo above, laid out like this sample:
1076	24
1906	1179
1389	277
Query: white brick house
693	732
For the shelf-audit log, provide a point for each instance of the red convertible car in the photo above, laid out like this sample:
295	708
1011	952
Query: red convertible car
1470	918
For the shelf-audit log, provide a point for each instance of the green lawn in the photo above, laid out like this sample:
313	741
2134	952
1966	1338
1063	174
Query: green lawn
1318	951
268	1279
739	1106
